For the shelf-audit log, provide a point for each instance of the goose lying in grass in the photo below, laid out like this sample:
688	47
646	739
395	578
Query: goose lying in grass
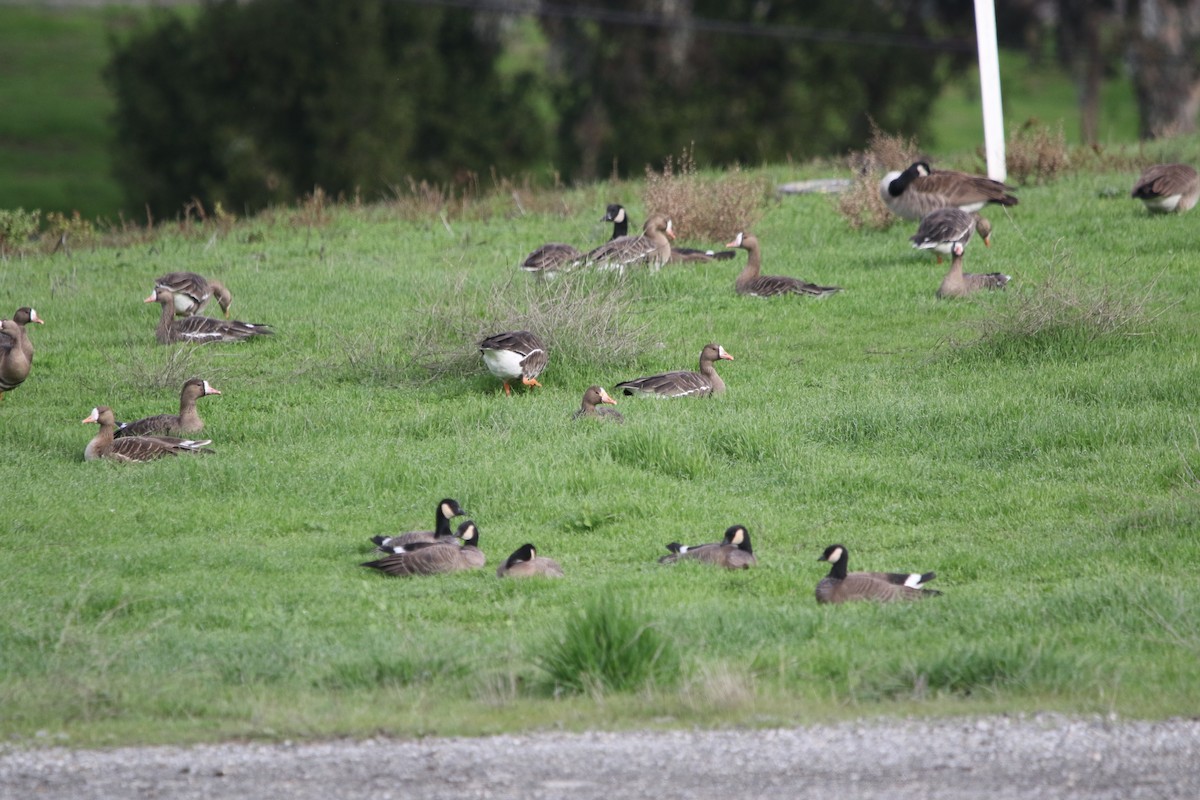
199	329
186	421
514	354
960	284
653	247
526	563
682	383
593	400
751	283
619	217
1168	187
916	191
840	586
732	552
133	448
446	510
430	558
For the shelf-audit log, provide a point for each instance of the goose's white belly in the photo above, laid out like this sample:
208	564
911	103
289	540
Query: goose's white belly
503	363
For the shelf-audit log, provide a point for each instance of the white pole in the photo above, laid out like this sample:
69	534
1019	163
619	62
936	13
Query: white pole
989	88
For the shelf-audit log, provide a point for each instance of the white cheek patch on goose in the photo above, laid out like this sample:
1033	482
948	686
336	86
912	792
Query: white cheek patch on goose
836	555
913	581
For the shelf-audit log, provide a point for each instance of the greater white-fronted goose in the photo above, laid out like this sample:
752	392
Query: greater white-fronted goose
549	258
683	384
593	398
653	247
191	292
199	329
446	510
16	355
619	217
940	229
732	552
514	354
23	316
920	189
526	563
1168	187
750	282
133	448
429	558
959	284
186	421
840	586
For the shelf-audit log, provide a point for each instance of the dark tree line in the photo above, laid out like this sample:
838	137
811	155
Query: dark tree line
259	102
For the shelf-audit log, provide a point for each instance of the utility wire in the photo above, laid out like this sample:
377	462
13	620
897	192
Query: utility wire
706	25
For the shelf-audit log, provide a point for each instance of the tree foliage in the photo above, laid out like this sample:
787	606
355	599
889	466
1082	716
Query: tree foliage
257	103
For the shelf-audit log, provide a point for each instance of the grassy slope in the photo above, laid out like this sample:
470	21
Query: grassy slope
1049	483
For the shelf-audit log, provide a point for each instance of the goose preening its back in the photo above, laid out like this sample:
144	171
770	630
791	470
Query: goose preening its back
594	398
446	510
431	558
198	329
959	284
1168	187
940	229
682	383
732	552
186	421
751	282
190	292
840	586
920	189
514	355
133	448
526	563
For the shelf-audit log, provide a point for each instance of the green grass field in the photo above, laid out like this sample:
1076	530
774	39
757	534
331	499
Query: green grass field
1049	477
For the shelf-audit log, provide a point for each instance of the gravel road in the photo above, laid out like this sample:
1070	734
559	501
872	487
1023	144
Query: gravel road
998	758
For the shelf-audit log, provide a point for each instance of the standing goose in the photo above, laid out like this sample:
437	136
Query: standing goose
429	558
512	355
840	586
446	510
916	191
683	384
198	329
1168	187
959	284
750	282
732	552
619	217
186	421
653	247
16	355
940	229
592	399
191	292
526	563
23	316
133	448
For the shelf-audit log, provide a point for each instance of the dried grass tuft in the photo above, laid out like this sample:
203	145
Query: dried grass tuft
1036	153
705	209
860	205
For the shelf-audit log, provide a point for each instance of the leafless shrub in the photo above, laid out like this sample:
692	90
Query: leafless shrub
584	318
705	208
860	205
1036	153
